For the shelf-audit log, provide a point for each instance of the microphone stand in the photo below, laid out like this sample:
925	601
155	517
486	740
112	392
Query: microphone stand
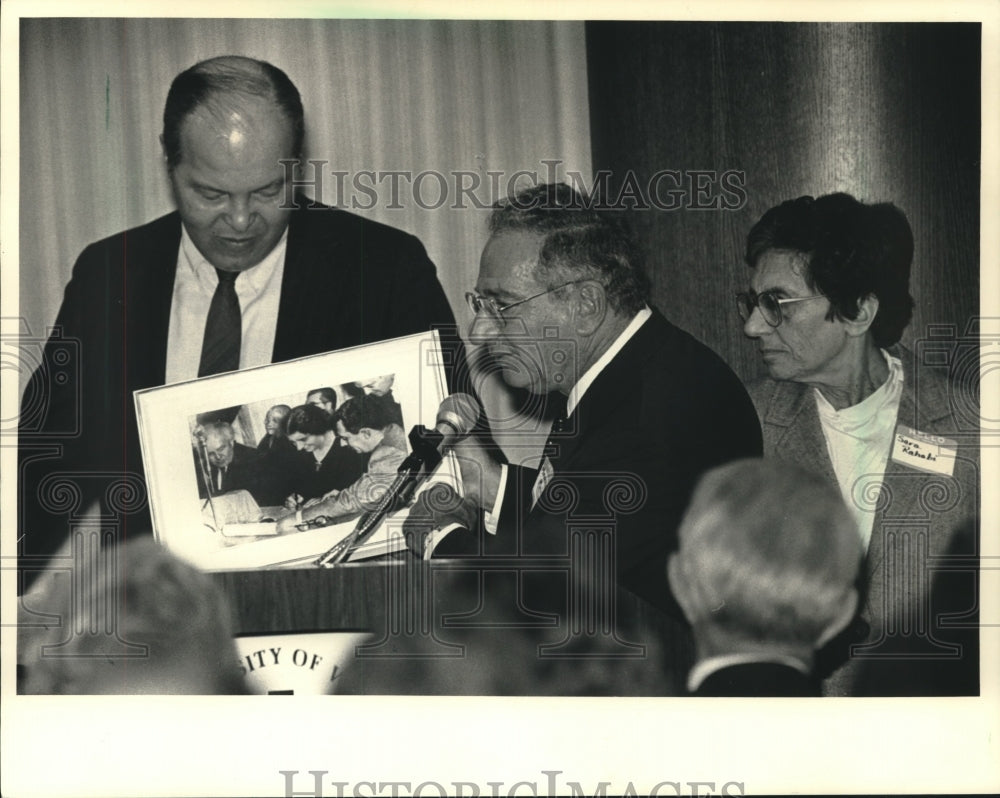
207	480
421	462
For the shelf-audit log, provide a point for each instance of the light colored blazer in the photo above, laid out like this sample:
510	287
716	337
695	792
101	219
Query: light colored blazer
916	515
368	490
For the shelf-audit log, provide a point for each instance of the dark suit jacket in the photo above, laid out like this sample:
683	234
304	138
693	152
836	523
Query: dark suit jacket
269	443
279	463
243	473
899	642
341	467
347	281
757	679
662	412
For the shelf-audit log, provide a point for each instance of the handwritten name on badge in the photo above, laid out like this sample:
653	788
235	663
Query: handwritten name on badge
932	453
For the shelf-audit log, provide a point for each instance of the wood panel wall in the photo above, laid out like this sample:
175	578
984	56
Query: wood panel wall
886	112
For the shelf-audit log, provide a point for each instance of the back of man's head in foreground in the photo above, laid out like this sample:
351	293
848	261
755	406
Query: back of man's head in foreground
768	561
134	619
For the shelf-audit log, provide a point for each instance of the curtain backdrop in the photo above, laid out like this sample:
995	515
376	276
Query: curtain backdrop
430	97
887	112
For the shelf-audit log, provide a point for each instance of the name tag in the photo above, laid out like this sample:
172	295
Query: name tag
931	453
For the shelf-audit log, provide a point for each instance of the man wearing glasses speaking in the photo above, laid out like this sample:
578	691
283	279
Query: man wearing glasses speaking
829	301
562	305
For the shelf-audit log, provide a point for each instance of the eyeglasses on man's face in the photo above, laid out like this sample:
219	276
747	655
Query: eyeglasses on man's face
768	303
484	304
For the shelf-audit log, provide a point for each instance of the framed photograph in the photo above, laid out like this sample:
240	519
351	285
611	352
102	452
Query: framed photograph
230	459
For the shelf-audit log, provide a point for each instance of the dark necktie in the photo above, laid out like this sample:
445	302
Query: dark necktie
556	405
220	349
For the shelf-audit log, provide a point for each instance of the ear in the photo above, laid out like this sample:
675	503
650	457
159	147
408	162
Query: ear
844	617
591	307
867	308
681	587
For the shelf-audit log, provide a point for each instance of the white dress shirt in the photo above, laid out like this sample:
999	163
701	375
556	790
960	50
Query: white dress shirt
577	391
258	290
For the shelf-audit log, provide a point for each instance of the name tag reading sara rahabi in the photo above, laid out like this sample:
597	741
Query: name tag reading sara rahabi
932	453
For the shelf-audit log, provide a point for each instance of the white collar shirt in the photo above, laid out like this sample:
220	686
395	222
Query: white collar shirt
580	388
491	519
258	290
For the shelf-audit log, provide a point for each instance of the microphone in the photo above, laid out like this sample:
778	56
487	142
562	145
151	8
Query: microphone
205	469
459	412
456	417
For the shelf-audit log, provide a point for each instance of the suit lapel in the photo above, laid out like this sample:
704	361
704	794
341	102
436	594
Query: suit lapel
313	300
902	486
149	268
798	437
288	332
605	393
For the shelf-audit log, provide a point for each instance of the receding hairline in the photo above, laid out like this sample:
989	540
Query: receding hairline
216	87
224	112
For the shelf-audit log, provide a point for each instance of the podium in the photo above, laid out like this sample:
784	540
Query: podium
467	626
350	597
509	620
